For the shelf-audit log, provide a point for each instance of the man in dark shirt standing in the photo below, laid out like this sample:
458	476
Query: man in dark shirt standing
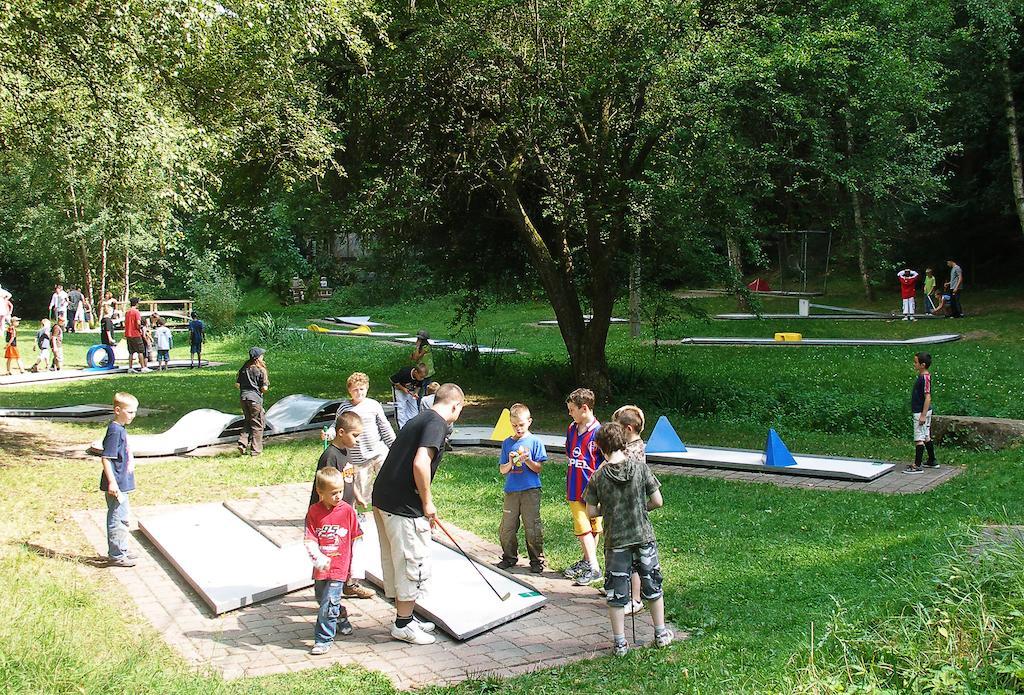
75	297
404	510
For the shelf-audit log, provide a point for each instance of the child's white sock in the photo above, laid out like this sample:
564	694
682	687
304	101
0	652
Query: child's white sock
619	639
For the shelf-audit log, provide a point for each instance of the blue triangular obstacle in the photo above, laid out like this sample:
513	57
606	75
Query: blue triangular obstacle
775	452
664	439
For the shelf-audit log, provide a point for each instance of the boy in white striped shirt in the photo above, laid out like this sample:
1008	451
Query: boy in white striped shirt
367	456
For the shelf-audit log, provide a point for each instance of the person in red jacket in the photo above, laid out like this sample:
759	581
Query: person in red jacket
908	290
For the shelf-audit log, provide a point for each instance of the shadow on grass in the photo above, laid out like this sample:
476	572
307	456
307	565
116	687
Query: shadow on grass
89	560
21	443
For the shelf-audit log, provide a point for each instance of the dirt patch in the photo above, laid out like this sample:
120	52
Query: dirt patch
33	441
979	335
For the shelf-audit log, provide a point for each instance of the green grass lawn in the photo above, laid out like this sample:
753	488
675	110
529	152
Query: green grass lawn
749	568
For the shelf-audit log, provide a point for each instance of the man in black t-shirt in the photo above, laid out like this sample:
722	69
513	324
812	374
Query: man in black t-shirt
404	510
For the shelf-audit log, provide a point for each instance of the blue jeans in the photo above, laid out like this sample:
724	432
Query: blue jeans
328	595
117	526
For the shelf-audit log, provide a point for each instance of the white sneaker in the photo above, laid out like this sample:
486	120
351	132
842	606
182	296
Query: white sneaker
145	369
412	634
633	607
424	625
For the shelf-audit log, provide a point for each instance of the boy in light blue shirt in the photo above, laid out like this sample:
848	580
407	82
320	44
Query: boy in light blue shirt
522	456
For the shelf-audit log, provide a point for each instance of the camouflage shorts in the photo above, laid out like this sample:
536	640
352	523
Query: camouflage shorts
619	565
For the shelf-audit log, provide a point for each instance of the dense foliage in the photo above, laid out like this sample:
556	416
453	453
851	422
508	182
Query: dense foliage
569	149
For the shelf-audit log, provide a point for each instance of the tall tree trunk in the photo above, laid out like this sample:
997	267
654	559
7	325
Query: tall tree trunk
83	248
862	251
634	295
1016	168
585	342
127	270
83	251
103	270
858	223
735	254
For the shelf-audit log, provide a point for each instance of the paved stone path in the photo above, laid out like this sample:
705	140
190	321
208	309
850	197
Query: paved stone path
274	636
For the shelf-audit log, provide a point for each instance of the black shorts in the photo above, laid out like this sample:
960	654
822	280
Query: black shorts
136	346
619	565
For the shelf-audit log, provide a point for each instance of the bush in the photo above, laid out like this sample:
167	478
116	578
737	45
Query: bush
265	330
216	295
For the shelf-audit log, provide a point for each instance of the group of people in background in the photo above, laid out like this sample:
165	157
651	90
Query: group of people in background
72	306
938	303
149	339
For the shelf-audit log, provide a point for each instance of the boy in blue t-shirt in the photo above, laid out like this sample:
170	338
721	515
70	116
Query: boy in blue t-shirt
522	456
118	479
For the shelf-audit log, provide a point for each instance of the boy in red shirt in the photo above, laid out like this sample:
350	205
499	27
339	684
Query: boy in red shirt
133	335
331	529
908	291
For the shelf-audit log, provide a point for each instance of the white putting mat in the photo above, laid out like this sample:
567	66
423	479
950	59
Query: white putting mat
226	560
863	470
457	599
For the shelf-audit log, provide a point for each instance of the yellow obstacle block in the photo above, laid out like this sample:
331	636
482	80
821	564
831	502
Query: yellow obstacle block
315	328
361	329
503	428
788	337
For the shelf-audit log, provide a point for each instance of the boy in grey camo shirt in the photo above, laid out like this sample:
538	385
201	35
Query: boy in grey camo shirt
623	493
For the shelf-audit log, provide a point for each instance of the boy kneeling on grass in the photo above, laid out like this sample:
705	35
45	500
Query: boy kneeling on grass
623	493
331	529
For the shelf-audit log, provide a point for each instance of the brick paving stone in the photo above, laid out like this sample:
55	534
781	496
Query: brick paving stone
274	636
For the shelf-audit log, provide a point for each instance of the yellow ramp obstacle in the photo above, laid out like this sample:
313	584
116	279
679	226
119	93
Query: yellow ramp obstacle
361	329
503	428
315	328
788	337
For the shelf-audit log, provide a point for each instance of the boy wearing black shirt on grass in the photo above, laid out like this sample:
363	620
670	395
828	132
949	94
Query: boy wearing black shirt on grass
921	407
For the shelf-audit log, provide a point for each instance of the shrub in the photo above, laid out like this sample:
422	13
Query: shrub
216	295
265	330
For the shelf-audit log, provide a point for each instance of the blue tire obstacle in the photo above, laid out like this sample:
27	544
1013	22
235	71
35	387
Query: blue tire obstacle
107	363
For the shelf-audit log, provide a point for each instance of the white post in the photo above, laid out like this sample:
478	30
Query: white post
805	307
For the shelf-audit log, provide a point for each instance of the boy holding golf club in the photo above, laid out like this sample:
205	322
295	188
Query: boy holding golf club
623	492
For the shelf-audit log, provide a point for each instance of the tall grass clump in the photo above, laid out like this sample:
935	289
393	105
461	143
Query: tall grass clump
966	635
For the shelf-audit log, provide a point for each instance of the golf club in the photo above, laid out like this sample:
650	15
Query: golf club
503	597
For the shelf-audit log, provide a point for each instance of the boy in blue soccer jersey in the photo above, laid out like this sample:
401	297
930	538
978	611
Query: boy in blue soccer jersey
584	459
522	456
